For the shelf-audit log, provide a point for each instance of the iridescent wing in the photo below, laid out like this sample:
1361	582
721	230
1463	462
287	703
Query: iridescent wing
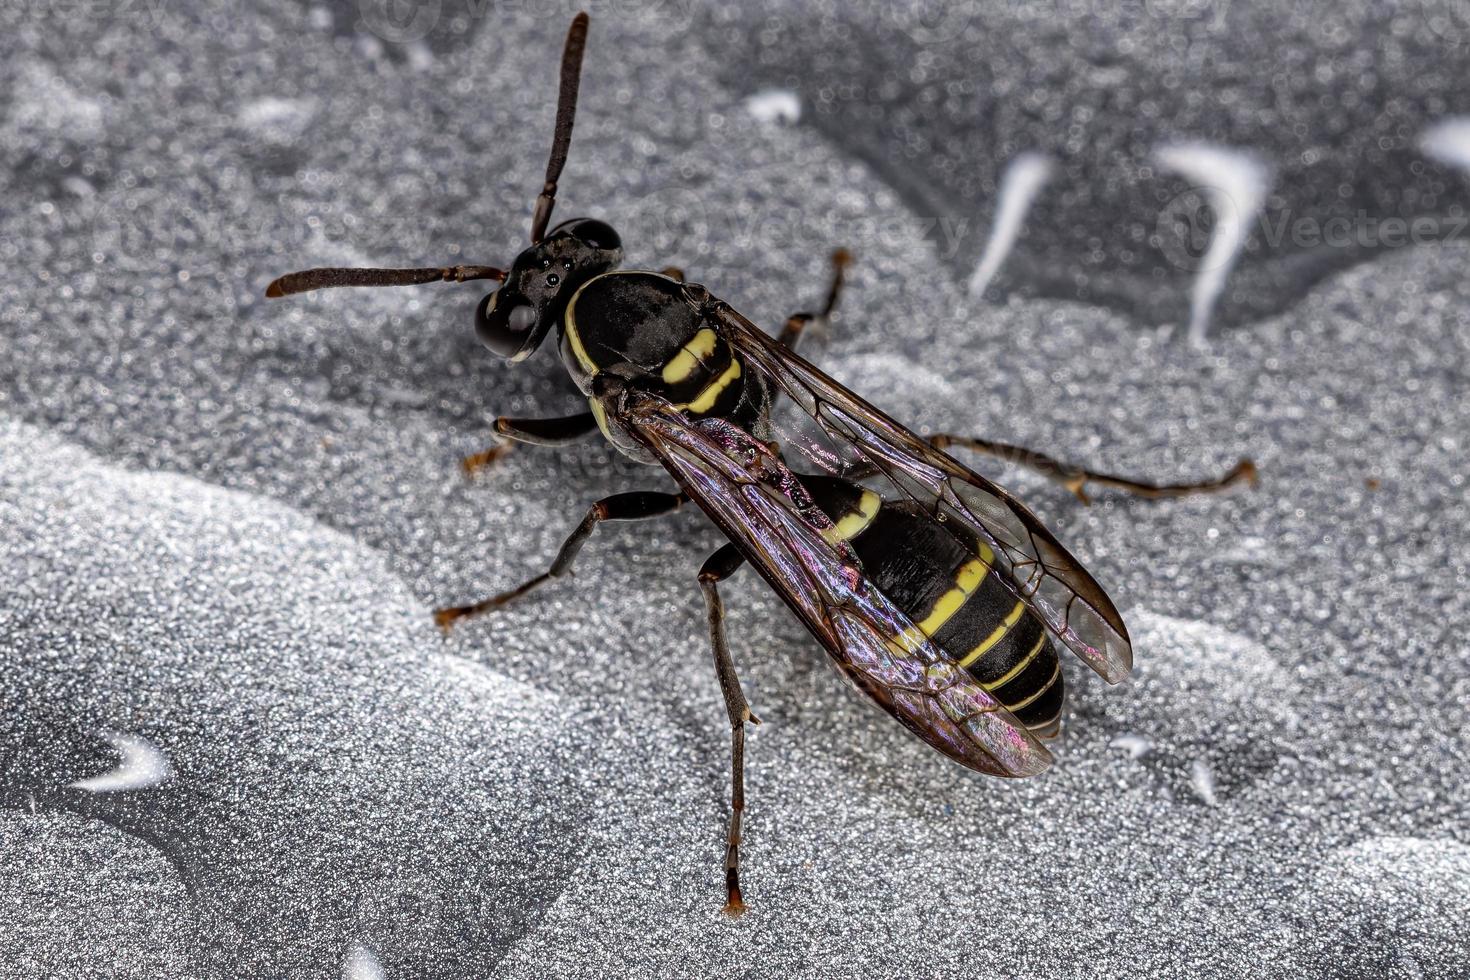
1041	572
746	488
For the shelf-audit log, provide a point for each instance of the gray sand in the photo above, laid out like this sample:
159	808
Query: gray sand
223	523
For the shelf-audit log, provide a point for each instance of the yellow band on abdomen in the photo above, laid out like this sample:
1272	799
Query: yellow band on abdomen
1011	674
995	637
856	522
710	395
969	577
690	356
1056	672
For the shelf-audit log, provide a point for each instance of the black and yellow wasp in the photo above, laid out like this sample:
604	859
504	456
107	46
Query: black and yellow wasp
936	593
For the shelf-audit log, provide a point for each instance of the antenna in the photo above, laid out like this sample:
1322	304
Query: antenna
309	279
566	112
561	143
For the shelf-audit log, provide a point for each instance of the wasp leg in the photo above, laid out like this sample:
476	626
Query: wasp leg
1075	478
620	507
721	565
791	333
537	432
797	323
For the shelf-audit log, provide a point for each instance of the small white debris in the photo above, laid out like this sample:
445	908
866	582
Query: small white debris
43	100
1235	184
1135	745
361	963
471	673
141	765
420	55
369	47
78	186
1025	175
1202	781
276	119
777	105
1448	141
1248	549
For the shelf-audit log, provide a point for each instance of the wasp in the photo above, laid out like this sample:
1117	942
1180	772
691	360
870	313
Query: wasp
936	593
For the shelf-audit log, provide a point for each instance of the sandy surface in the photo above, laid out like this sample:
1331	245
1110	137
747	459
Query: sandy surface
223	523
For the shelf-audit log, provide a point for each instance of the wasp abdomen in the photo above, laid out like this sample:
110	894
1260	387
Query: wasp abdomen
943	581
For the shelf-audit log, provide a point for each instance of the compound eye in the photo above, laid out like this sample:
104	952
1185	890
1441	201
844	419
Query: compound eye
589	231
507	329
598	234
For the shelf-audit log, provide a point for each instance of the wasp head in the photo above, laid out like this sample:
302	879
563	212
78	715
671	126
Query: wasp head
514	319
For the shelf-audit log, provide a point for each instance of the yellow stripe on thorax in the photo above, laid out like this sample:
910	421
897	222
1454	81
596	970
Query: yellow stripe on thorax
995	637
569	319
1010	675
600	414
856	522
683	364
706	399
966	581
